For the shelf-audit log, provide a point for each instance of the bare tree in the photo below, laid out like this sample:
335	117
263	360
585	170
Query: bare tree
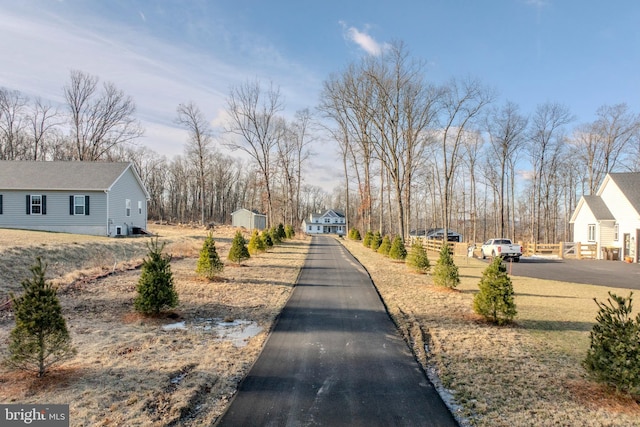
43	121
506	128
255	128
101	120
12	124
462	103
198	148
604	144
403	112
546	143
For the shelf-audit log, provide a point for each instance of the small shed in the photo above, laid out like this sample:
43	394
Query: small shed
249	219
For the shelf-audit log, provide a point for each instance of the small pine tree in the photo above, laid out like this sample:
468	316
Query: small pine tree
256	244
376	241
266	238
275	236
281	232
417	258
445	272
385	246
238	251
397	251
368	236
155	286
354	234
289	232
614	355
495	300
209	263
40	338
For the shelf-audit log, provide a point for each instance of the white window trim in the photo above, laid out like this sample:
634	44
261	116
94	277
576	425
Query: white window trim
139	207
32	204
127	207
77	205
591	232
616	232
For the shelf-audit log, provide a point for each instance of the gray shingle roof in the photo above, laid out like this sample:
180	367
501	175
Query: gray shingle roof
31	175
598	208
629	184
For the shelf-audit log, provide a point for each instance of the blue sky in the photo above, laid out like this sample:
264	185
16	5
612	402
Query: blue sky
582	53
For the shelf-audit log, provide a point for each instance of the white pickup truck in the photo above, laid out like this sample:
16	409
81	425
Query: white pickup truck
503	248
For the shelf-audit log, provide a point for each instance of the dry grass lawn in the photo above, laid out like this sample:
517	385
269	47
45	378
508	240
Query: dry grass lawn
129	370
528	374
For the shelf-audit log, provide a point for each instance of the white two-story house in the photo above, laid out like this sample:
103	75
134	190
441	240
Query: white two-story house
611	217
329	222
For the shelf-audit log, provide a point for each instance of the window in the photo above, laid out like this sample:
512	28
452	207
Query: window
616	228
36	204
127	207
139	207
592	233
318	228
327	220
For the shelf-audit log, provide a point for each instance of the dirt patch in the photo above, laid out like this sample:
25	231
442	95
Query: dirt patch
129	370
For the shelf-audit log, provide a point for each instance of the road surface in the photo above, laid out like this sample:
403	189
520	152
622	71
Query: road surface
335	358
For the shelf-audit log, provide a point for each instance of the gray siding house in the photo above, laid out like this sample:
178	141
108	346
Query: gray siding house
248	219
97	198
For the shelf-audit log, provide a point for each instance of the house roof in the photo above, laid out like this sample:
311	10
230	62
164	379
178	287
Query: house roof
88	176
332	213
629	184
253	211
598	208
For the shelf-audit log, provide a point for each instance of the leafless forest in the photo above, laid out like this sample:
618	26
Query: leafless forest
413	154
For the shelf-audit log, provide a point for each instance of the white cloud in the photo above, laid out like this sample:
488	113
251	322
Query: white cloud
364	40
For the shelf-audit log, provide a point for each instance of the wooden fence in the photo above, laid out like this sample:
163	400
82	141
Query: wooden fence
569	250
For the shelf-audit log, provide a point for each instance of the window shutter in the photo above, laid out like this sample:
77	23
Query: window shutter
28	204
71	210
44	205
0	204
86	205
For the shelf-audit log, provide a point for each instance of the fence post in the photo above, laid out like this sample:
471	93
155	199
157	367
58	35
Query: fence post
561	249
578	251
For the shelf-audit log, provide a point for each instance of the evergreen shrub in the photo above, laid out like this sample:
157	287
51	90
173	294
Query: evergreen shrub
397	251
368	236
209	262
495	300
445	272
376	241
417	258
155	286
385	246
239	251
613	357
40	338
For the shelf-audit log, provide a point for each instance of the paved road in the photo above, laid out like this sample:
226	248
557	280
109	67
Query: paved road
615	274
335	358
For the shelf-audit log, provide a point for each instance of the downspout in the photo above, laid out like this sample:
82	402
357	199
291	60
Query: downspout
106	193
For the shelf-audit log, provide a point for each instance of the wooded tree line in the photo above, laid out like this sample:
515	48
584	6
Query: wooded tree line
98	123
414	154
417	155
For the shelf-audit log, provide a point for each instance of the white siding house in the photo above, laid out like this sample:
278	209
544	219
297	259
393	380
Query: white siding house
611	217
248	219
98	198
329	222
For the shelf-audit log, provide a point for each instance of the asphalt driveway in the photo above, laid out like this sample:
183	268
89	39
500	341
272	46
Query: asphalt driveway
335	358
616	274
